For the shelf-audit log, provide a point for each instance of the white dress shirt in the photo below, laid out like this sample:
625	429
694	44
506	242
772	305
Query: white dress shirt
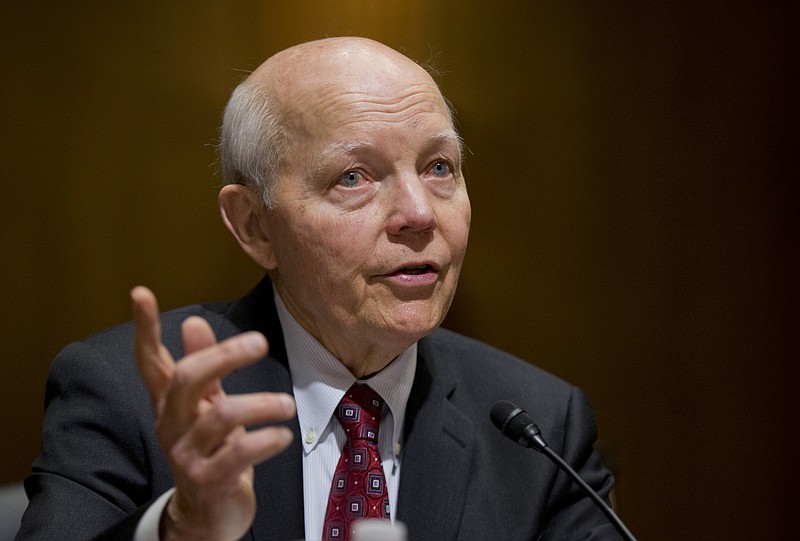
319	382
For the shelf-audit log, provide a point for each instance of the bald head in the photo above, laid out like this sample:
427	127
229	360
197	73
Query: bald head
348	64
273	111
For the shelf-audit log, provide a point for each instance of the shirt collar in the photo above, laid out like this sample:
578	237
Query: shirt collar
319	380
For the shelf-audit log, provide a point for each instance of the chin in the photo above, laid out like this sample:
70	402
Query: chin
414	321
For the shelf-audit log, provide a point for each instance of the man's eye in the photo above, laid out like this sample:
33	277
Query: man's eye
350	179
440	168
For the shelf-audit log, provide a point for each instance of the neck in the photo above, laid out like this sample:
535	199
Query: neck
362	363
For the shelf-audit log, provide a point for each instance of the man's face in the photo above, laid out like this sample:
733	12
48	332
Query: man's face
371	214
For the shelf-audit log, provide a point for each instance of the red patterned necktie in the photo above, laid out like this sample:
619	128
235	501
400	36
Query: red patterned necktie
358	489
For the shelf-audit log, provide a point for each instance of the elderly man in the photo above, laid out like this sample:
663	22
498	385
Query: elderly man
343	181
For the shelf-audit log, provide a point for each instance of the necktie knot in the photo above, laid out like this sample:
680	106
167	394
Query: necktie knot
359	413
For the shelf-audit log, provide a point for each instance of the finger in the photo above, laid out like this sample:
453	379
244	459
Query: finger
196	373
152	358
197	334
241	450
250	448
211	430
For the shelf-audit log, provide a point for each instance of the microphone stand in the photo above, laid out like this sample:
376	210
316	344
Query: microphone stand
566	468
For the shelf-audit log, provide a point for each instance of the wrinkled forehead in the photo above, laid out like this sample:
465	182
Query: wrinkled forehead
359	89
356	106
343	106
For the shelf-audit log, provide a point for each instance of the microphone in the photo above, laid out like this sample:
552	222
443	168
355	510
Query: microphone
375	529
517	425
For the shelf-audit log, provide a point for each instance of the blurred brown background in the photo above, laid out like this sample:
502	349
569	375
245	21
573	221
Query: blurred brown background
634	180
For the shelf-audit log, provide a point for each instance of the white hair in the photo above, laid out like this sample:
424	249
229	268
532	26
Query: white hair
252	142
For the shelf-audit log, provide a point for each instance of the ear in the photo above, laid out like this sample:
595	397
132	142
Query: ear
244	216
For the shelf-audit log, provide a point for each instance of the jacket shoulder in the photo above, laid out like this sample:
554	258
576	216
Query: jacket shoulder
482	366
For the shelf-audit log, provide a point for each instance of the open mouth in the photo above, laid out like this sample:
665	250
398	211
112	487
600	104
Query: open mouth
416	269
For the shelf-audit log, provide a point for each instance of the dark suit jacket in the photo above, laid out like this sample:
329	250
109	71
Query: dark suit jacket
101	464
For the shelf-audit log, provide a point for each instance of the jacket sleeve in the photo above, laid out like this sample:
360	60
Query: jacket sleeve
99	465
571	513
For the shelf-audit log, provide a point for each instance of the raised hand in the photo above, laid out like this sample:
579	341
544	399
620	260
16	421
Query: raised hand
201	429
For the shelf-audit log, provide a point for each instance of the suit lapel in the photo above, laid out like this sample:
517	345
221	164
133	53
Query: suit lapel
278	481
437	454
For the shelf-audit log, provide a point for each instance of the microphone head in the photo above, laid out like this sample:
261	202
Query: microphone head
502	412
516	425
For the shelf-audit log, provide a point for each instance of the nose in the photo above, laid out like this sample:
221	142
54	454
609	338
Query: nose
412	207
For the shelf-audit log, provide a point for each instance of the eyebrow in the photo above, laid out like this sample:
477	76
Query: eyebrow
334	149
448	136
